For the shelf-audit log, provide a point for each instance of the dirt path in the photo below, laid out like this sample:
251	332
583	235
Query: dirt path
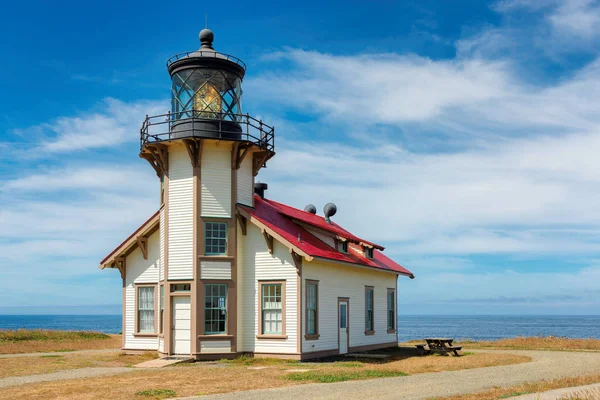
558	393
100	351
545	365
62	375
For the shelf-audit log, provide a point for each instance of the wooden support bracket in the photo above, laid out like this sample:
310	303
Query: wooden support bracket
297	259
158	157
269	240
259	160
243	223
194	149
143	243
120	264
240	151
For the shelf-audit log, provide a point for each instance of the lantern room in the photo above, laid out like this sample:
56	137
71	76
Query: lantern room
206	101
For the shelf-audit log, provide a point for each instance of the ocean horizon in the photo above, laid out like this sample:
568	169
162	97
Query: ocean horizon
459	327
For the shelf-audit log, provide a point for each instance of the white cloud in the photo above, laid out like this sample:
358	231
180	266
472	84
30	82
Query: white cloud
114	123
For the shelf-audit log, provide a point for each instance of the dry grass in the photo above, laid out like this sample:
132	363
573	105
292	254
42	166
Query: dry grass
536	343
33	341
534	387
228	376
22	366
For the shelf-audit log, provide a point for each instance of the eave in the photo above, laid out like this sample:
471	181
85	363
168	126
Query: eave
137	238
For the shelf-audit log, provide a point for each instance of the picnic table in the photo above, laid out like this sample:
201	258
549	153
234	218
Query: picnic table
439	345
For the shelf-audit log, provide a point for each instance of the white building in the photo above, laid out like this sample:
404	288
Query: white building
219	270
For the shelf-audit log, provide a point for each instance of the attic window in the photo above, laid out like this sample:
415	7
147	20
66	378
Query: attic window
342	246
369	252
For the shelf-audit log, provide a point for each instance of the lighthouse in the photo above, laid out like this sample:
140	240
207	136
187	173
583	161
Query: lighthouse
206	152
220	270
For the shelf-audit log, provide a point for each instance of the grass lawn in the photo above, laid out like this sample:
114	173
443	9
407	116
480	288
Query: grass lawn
534	387
38	340
530	343
51	363
239	374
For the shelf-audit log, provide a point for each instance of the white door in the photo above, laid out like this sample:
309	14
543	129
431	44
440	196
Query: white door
343	326
181	333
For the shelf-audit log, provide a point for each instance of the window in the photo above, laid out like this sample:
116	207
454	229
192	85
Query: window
342	246
312	323
215	309
145	309
391	310
369	252
215	238
369	310
162	307
272	309
181	287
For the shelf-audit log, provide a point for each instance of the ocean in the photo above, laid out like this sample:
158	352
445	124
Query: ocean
409	327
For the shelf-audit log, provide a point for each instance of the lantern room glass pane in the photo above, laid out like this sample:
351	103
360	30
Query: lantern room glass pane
207	94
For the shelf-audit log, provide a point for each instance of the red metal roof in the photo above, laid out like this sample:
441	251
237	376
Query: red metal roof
281	219
318	222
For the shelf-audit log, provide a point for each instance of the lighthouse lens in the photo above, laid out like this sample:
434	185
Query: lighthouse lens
206	94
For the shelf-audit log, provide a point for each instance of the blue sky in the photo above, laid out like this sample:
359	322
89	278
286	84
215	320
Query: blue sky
463	135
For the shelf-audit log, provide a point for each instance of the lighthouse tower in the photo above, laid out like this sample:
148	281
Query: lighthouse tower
206	153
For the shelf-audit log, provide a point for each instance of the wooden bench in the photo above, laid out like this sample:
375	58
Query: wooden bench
439	345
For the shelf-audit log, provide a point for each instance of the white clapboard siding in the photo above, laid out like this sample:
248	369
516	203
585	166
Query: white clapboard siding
180	209
256	263
216	180
245	190
217	346
162	228
161	345
335	281
215	270
140	270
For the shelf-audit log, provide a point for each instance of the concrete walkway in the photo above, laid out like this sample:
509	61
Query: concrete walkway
558	393
62	375
545	365
54	353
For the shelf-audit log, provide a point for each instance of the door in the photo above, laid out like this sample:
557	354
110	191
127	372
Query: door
343	326
181	333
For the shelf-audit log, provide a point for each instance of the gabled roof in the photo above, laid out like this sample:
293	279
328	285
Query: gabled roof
151	225
283	221
319	222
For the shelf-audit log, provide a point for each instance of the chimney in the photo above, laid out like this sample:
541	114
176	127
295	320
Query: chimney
259	189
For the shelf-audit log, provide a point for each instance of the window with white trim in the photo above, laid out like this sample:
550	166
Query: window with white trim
391	309
145	309
342	246
272	309
311	307
215	238
215	309
369	309
369	252
162	308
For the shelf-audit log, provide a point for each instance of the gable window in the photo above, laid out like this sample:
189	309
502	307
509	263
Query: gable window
215	309
145	309
369	324
312	321
369	252
342	246
162	308
391	310
272	312
215	238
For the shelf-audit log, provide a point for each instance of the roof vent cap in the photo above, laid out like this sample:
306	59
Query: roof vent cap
329	210
310	209
259	189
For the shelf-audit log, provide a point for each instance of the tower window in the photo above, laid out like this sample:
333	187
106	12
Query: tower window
215	238
215	308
